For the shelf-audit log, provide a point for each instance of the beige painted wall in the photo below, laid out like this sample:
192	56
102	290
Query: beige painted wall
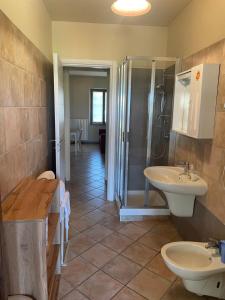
107	41
199	25
32	18
80	100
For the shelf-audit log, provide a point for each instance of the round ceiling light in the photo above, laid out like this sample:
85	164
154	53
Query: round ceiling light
131	8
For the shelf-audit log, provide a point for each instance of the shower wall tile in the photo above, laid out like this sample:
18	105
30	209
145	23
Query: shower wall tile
207	156
26	108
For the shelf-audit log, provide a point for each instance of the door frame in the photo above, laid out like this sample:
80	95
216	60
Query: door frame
111	157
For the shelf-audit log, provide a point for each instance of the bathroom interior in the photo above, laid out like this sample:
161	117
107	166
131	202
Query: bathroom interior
147	219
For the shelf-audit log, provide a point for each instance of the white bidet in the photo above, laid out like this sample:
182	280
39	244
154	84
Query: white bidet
201	269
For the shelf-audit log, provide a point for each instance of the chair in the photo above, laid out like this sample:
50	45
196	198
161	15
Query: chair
76	136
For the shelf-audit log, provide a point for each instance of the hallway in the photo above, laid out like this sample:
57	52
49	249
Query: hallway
107	259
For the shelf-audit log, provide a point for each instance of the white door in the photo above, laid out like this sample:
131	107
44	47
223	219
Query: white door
59	117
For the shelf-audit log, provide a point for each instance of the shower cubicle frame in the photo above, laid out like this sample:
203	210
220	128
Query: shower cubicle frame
124	105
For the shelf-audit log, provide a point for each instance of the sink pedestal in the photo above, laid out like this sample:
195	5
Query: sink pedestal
180	205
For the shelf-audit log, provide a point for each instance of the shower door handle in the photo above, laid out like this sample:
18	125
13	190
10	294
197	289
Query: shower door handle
125	136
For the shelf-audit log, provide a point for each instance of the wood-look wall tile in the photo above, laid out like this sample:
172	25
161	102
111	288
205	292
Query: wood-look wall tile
16	86
219	138
7	40
36	86
7	170
25	121
19	45
2	132
4	82
214	160
44	93
33	121
26	97
11	85
214	53
28	90
12	127
215	199
42	120
200	57
19	162
187	63
221	91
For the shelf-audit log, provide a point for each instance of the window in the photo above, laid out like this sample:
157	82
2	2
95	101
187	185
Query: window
98	106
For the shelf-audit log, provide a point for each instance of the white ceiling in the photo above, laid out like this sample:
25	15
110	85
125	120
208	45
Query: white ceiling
98	11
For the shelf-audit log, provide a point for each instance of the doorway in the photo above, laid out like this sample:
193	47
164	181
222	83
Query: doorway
86	117
110	143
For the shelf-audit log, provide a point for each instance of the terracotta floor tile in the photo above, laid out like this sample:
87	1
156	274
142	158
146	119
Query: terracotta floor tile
78	245
165	229
154	241
158	266
82	223
77	271
64	288
100	287
148	223
99	255
117	242
139	253
113	223
74	295
177	291
98	232
97	202
149	285
127	294
86	197
96	216
81	210
122	269
96	193
132	231
110	208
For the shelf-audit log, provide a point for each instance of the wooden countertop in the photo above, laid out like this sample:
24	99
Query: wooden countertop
30	200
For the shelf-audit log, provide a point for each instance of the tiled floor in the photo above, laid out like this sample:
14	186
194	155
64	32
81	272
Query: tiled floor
107	259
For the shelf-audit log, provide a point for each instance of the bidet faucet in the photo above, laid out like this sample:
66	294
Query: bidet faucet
212	244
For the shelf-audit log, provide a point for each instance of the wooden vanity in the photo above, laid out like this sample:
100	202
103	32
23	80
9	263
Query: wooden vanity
32	238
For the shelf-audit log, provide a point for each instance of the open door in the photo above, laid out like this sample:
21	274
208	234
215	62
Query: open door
59	117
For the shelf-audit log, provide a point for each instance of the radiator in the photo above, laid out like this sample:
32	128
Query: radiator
80	124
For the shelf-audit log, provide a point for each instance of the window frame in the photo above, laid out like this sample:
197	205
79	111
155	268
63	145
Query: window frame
105	92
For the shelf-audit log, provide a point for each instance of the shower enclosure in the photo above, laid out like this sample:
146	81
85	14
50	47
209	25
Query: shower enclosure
145	105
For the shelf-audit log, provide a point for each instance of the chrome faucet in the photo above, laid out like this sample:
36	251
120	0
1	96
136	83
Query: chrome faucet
187	168
212	244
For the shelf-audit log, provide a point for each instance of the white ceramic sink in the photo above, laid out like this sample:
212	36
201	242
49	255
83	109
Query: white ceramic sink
169	179
178	188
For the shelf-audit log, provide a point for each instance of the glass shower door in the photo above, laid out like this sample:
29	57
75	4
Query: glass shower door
121	133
